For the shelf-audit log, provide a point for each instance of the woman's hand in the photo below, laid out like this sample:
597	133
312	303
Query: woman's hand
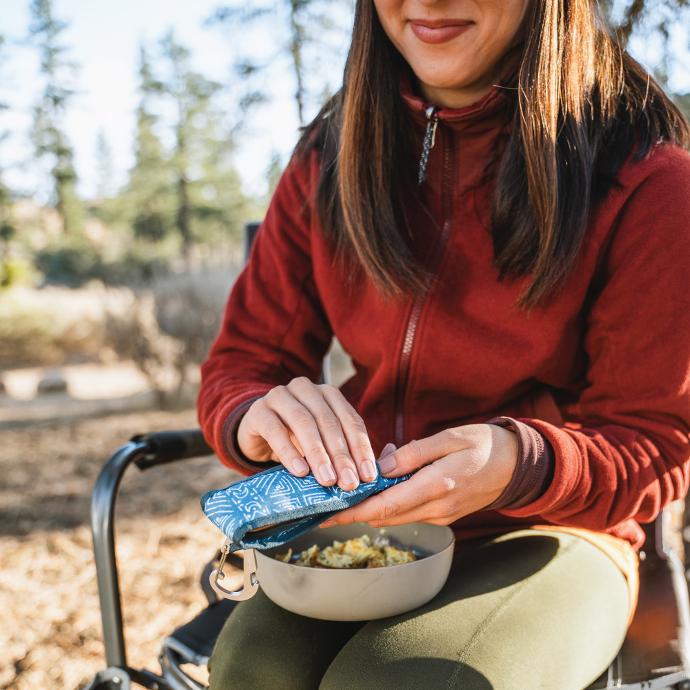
307	426
463	470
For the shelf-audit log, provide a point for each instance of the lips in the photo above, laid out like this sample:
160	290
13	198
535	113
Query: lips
438	30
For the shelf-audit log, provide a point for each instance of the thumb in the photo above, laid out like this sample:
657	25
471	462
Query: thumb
414	455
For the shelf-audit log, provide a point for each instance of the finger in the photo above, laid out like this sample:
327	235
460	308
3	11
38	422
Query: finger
355	432
276	434
434	511
387	450
419	453
330	430
429	484
301	422
342	518
376	508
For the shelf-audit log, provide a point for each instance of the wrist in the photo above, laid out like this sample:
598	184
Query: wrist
533	468
505	450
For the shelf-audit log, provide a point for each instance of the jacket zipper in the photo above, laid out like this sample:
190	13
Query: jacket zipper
429	141
418	304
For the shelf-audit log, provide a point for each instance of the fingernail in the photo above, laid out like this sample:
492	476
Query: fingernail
300	466
388	449
388	463
349	479
369	470
327	474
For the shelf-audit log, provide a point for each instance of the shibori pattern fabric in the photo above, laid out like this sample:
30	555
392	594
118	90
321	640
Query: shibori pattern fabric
286	505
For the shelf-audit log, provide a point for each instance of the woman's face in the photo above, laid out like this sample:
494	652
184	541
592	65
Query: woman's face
454	47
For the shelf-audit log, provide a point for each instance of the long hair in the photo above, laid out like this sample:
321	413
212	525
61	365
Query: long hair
582	105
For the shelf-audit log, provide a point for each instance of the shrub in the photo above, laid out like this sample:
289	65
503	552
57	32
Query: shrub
137	267
14	271
71	262
26	338
51	325
167	329
74	261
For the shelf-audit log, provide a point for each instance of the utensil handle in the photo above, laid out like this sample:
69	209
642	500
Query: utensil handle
250	583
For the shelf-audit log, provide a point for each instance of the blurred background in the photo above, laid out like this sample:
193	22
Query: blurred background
137	139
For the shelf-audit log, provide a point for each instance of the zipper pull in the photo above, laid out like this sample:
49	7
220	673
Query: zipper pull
429	141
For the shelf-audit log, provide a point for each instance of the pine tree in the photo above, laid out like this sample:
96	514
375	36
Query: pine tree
305	30
195	127
51	144
149	192
630	16
654	19
190	189
7	229
219	206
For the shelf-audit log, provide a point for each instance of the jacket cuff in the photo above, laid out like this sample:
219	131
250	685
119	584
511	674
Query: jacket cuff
232	455
534	468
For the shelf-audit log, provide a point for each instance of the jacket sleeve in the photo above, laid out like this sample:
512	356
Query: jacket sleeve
625	453
274	326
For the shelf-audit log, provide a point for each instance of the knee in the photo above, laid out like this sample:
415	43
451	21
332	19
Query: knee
265	646
246	650
403	674
241	659
230	662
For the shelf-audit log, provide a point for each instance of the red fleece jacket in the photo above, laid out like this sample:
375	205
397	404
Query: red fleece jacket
600	373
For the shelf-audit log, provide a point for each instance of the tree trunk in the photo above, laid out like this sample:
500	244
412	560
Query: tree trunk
183	213
183	218
296	43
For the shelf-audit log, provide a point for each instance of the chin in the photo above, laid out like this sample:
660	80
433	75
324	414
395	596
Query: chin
447	78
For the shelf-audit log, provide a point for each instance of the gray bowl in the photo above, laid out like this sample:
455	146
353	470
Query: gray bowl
350	595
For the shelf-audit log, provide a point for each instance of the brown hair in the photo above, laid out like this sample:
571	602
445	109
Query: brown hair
581	105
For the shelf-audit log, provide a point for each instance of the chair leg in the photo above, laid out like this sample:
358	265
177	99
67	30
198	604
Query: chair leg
112	678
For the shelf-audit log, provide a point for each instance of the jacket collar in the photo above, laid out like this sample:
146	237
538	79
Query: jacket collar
493	110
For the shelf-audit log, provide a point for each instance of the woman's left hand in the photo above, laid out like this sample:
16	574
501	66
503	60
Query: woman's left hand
459	471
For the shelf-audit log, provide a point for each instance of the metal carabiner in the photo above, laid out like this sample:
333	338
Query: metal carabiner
250	583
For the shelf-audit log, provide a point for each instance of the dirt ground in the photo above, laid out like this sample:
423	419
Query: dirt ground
50	633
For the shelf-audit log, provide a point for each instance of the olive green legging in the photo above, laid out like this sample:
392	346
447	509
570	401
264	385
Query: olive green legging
527	610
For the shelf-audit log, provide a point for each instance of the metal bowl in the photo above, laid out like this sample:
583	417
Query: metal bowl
356	594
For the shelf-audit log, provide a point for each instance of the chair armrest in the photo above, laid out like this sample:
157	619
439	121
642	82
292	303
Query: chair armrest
144	450
170	446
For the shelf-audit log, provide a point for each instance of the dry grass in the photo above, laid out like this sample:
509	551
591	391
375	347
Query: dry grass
50	632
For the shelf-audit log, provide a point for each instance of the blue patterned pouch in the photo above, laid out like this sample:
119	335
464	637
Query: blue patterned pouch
273	507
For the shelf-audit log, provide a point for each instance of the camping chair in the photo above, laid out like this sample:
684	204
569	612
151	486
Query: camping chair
655	655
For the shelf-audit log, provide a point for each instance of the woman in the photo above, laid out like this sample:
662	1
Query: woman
493	217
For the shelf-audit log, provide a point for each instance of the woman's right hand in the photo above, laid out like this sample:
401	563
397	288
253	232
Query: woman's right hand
307	426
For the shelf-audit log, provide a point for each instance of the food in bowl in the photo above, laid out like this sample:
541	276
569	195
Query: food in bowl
358	552
350	594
